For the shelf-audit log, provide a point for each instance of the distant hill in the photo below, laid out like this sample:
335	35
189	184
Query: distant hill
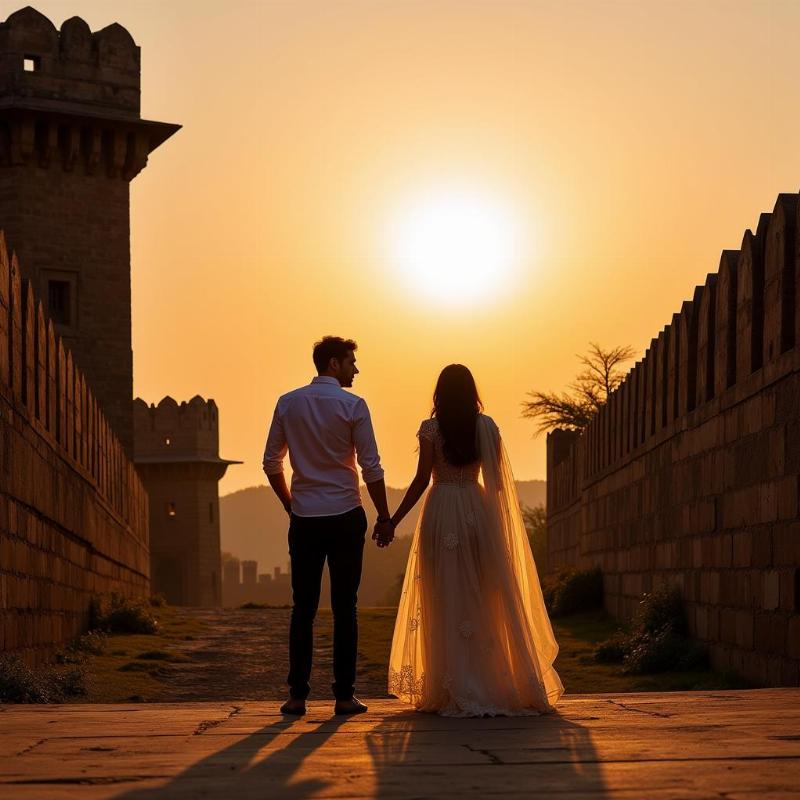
253	526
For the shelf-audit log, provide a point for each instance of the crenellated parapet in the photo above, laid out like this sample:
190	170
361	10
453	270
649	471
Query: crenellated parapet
689	476
176	429
176	451
73	509
72	97
738	326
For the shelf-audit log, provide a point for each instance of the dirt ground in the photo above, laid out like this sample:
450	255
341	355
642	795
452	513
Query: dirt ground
243	654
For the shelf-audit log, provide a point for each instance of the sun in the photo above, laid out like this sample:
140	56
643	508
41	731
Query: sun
454	245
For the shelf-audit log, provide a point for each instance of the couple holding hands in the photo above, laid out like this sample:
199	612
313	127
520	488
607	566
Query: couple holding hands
472	636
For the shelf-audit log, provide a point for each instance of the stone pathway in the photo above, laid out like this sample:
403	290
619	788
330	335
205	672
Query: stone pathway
737	745
243	653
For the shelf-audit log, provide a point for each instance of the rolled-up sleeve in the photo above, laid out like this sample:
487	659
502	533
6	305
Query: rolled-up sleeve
366	447
276	446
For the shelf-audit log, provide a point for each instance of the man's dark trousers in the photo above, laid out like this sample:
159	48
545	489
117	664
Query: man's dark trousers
340	539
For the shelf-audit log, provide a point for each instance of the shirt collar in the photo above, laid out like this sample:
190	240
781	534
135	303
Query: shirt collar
326	379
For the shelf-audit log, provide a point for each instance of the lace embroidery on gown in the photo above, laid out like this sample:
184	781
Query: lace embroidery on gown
472	636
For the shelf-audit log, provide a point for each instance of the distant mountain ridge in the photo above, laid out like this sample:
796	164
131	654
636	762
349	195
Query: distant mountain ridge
253	526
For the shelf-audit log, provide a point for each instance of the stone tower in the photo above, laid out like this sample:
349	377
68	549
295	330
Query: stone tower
71	140
176	451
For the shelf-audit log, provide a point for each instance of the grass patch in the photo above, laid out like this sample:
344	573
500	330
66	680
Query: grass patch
108	682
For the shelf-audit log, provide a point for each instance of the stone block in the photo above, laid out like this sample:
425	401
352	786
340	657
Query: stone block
762	548
776	451
787	491
790	672
745	621
793	637
768	502
710	587
770	599
713	623
728	625
786	544
742	548
770	633
774	664
788	587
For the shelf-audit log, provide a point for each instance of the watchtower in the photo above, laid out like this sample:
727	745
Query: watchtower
71	141
176	451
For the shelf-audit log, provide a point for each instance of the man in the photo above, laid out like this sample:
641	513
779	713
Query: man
325	430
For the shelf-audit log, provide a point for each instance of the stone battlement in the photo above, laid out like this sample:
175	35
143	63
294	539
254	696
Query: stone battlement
185	429
99	70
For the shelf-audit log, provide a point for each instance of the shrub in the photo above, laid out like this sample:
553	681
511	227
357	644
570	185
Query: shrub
20	683
657	641
118	614
612	651
660	609
572	591
92	643
158	600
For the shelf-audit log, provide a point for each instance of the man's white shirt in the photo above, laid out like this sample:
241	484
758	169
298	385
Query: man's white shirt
325	430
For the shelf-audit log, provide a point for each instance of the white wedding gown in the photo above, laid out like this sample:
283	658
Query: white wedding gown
472	635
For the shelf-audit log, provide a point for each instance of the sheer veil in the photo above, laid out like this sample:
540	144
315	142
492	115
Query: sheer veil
530	641
512	649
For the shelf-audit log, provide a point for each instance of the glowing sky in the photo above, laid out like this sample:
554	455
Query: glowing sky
630	141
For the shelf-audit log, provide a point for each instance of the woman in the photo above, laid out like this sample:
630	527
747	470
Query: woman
472	636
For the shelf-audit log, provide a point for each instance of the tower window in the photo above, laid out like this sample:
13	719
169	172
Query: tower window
31	63
59	290
58	302
167	440
171	510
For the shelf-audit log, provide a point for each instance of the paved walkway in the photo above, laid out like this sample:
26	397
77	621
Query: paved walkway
733	745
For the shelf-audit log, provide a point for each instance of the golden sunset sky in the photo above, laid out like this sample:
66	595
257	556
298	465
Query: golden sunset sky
622	145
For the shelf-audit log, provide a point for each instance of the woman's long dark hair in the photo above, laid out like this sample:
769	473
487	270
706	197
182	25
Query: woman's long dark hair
456	406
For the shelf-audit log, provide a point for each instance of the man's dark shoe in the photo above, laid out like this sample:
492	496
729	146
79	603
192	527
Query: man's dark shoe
294	707
351	706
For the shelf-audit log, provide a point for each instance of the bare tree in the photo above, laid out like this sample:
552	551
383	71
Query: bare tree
575	408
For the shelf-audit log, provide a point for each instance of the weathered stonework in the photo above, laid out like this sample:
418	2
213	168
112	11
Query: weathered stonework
690	474
73	511
177	455
71	140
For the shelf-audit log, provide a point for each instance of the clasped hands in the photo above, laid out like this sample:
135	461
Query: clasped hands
383	533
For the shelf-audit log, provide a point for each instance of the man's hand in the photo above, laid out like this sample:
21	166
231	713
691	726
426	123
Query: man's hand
278	484
383	533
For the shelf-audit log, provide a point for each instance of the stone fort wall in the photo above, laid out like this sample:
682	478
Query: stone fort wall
689	474
73	511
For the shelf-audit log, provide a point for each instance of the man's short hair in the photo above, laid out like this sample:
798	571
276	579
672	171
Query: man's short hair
331	347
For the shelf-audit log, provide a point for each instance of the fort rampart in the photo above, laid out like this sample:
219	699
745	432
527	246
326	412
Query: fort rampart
689	474
73	511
